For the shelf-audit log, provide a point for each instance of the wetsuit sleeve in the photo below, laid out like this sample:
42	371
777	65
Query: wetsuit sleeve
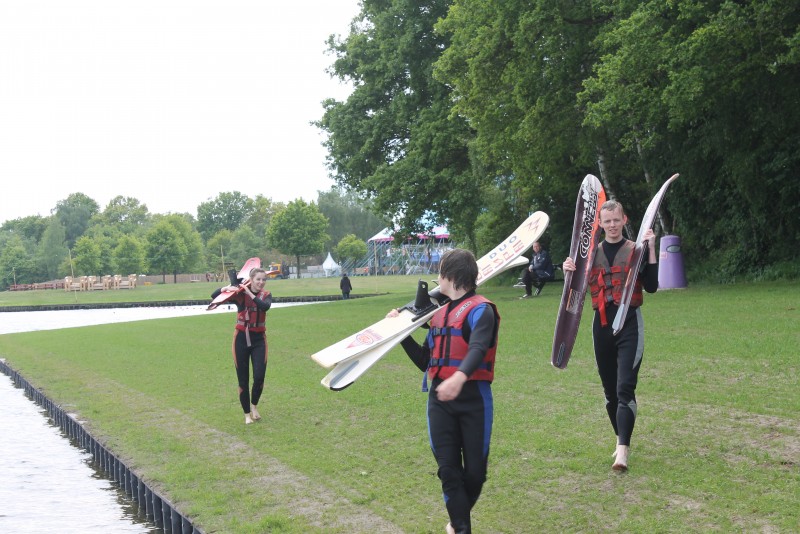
649	277
265	303
481	323
419	354
216	293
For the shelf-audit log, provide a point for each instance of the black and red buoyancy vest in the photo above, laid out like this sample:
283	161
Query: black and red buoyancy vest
251	318
449	348
606	282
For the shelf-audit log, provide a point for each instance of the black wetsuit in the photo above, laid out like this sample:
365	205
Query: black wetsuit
244	354
460	430
620	357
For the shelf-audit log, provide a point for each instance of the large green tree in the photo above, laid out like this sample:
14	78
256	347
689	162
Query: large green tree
87	257
16	263
711	90
348	214
225	212
350	249
298	230
75	212
129	256
165	249
126	214
52	249
395	139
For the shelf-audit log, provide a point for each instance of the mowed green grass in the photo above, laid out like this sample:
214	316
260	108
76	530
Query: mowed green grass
716	447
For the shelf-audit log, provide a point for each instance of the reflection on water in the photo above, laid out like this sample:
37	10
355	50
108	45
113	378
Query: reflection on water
46	484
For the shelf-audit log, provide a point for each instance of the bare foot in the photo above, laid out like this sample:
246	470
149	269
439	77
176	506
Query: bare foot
620	458
449	529
247	419
254	413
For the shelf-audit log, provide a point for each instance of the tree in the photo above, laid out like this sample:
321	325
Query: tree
30	228
261	214
52	249
298	230
711	90
218	250
192	259
350	249
124	213
245	244
129	255
16	264
226	212
395	139
165	249
74	212
348	214
87	257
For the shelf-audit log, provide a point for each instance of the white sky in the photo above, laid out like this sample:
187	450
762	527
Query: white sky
168	101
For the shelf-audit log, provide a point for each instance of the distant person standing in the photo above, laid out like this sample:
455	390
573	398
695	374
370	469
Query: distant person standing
250	339
345	286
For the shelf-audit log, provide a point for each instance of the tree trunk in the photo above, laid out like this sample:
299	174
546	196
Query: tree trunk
648	179
601	165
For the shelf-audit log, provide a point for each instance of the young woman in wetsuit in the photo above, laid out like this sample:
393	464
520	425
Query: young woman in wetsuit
250	339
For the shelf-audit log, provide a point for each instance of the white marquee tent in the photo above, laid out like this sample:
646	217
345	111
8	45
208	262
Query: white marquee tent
330	267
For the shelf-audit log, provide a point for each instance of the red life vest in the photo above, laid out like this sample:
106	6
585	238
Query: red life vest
251	318
606	282
448	346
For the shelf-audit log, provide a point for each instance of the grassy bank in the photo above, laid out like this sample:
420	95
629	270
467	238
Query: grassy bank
716	448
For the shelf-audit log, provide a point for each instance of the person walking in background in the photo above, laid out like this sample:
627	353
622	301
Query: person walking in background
458	358
345	286
250	339
539	271
618	357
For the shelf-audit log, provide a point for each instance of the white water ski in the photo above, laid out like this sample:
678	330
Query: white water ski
492	263
348	371
638	255
505	256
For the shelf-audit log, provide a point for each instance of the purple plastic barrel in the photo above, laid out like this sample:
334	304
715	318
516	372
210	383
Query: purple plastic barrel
670	264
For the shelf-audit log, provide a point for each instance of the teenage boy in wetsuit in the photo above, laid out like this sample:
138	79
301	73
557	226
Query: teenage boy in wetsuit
618	357
458	357
250	339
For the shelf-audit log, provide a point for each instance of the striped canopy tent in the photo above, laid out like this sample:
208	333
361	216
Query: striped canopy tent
385	235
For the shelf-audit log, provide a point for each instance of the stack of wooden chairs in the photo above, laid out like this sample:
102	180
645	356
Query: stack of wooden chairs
92	283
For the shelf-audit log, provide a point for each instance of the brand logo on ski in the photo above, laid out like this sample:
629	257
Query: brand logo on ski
587	229
367	337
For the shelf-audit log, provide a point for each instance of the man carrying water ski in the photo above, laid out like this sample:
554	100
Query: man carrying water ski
618	357
458	358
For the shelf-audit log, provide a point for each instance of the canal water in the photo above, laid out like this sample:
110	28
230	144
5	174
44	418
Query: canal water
47	484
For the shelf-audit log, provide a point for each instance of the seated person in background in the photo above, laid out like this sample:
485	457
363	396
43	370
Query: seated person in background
538	272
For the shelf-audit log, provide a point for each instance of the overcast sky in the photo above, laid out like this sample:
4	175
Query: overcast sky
168	101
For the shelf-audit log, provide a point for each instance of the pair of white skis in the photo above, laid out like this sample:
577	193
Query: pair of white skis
353	356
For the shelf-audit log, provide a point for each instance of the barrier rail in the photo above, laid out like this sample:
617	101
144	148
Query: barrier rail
155	507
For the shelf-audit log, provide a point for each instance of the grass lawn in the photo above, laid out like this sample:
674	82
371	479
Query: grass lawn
716	447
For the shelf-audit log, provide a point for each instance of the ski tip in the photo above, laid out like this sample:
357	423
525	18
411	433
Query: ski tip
559	361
